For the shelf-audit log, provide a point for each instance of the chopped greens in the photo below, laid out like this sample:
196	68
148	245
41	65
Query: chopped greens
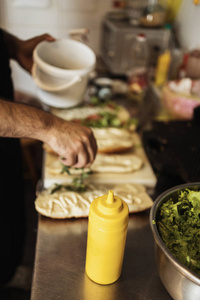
179	227
107	119
77	184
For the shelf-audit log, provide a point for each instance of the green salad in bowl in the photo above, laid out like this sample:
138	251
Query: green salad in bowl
175	225
179	227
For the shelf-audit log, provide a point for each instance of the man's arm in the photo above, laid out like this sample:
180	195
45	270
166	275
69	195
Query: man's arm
22	50
75	143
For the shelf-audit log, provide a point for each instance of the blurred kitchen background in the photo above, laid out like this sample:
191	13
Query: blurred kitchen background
27	18
168	29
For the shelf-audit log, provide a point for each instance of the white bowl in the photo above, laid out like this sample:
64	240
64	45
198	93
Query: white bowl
180	282
63	99
61	71
64	57
50	83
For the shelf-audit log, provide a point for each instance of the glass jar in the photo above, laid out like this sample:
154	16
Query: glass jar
154	14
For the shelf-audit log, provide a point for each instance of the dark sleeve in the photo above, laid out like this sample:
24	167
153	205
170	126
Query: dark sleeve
12	217
6	86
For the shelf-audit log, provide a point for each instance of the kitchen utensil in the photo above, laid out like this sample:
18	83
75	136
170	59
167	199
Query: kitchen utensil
180	282
107	229
62	68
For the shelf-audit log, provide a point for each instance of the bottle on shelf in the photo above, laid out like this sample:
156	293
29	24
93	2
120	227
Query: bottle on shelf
162	68
182	70
139	55
138	70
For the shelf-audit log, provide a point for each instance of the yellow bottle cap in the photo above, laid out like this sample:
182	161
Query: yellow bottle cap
110	198
109	212
109	205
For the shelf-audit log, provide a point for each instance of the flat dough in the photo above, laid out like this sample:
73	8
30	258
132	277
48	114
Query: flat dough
104	163
116	163
113	140
66	204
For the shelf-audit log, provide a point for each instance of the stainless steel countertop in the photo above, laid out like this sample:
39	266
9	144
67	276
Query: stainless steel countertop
59	271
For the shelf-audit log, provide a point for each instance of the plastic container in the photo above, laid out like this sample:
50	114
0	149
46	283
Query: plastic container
162	68
139	63
181	73
61	71
107	230
176	62
139	56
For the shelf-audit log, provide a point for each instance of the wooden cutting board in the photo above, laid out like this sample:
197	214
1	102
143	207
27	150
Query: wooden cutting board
143	176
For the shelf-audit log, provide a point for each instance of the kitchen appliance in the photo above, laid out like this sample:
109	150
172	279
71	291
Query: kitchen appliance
118	37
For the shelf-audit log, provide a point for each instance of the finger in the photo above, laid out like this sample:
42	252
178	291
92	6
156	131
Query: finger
49	38
69	160
93	142
44	37
94	146
82	158
91	155
91	146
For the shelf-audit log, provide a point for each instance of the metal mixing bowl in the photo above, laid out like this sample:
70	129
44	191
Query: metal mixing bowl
179	281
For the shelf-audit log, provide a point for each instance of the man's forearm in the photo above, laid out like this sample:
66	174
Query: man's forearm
71	141
19	120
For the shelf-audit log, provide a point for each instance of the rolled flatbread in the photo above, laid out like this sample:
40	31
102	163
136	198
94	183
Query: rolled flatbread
104	163
68	204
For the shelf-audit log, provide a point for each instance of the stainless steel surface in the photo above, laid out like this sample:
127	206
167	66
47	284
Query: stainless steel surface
59	271
181	283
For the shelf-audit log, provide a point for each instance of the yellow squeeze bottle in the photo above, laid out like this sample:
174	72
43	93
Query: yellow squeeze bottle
162	68
107	230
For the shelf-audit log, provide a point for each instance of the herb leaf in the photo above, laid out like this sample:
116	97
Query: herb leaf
65	169
77	184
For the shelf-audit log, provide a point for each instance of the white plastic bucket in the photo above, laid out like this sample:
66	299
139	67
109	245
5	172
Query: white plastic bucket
61	71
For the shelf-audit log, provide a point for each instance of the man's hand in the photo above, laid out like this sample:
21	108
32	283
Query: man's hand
75	144
24	54
22	50
72	142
